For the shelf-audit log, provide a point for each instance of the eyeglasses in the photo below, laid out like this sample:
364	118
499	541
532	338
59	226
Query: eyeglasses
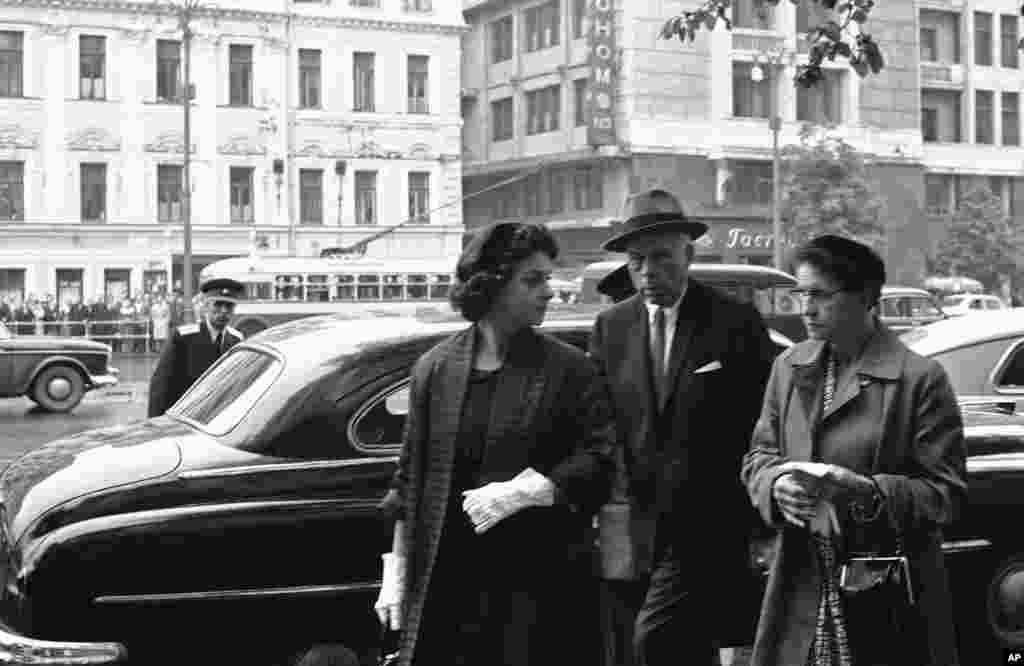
816	295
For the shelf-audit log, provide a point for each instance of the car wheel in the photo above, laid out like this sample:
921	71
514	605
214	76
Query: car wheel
58	388
1005	602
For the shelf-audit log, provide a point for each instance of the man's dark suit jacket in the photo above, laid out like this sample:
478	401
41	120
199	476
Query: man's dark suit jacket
683	462
187	355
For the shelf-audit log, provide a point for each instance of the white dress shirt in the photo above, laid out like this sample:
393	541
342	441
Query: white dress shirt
671	317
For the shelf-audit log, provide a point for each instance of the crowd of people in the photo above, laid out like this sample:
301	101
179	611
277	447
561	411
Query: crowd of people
141	323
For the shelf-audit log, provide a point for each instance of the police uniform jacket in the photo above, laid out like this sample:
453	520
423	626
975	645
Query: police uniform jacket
190	351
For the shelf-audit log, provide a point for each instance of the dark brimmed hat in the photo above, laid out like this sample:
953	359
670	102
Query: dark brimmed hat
652	211
223	289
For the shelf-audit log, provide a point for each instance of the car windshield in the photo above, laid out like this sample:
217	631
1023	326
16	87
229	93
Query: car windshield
951	301
226	393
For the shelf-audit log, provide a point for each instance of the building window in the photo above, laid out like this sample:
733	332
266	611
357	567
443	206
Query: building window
823	103
364	3
1011	118
501	39
929	124
12	284
983	117
503	119
506	203
309	78
996	187
982	38
362	82
240	74
588	188
543	107
938	192
366	197
417	66
532	195
169	178
554	191
751	183
11	64
242	195
579	18
311	196
94	192
419	197
541	27
929	48
946	115
1008	41
92	63
579	87
12	191
417	5
168	70
751	99
117	284
69	287
753	14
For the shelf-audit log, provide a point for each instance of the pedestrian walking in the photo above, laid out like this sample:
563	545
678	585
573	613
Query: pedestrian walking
687	366
194	347
160	321
507	454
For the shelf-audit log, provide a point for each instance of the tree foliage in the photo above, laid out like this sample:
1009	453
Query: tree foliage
844	36
981	241
826	188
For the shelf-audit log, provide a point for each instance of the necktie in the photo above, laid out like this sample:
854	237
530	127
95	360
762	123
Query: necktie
658	354
219	342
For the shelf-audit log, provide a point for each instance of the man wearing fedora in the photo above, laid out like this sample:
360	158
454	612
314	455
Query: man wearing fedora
687	366
194	347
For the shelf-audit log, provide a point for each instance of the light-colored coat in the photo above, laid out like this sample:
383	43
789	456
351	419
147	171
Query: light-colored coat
896	419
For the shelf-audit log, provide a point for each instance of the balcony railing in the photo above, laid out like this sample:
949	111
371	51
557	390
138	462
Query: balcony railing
941	73
758	42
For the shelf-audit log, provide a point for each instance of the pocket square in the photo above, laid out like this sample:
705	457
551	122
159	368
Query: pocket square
708	367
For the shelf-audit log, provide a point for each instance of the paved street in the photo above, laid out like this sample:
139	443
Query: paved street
23	426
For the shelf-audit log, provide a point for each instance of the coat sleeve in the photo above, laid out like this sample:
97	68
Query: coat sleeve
934	490
760	466
395	502
585	478
165	378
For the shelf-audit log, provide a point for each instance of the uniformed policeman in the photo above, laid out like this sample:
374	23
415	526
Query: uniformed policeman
194	347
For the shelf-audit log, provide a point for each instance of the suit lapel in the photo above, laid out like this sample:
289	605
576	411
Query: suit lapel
638	345
690	322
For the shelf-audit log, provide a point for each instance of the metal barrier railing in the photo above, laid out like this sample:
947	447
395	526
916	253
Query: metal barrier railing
112	331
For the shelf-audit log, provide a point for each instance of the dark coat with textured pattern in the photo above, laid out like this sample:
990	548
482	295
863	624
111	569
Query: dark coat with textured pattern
898	420
188	354
550	412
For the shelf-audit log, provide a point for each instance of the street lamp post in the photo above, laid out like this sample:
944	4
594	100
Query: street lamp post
773	59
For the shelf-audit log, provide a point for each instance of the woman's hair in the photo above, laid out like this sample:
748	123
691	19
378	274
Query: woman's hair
489	261
850	264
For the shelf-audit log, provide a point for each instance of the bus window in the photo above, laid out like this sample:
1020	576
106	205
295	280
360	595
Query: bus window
288	288
417	287
258	291
346	288
369	288
316	288
393	287
439	286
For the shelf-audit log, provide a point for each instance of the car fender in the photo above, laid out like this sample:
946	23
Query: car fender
50	361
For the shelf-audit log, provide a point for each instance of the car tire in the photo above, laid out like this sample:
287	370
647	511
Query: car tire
1004	602
58	388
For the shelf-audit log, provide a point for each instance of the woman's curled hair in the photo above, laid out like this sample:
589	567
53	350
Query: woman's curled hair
490	260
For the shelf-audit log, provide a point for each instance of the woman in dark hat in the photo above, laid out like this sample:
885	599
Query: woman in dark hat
507	455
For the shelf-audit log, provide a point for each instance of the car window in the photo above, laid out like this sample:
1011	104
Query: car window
969	367
1012	374
226	393
893	307
381	423
923	307
952	301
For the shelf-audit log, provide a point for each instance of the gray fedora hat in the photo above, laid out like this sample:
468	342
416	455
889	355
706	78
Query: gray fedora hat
652	211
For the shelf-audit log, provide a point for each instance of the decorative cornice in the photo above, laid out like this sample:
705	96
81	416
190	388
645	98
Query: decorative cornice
171	141
92	139
16	136
242	144
251	15
317	149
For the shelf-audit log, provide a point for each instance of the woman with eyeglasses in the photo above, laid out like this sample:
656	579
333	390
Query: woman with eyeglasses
507	455
884	428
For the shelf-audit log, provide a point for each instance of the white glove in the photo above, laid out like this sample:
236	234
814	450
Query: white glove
392	589
490	504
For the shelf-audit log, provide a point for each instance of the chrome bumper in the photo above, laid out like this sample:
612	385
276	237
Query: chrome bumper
104	381
16	649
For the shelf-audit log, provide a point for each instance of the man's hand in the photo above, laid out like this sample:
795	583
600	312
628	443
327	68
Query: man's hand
796	504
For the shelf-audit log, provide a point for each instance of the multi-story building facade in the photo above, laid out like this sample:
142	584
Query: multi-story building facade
694	118
313	124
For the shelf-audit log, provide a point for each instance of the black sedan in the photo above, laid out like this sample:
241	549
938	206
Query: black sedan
242	526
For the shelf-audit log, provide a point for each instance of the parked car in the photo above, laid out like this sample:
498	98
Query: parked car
960	304
53	372
241	527
904	308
